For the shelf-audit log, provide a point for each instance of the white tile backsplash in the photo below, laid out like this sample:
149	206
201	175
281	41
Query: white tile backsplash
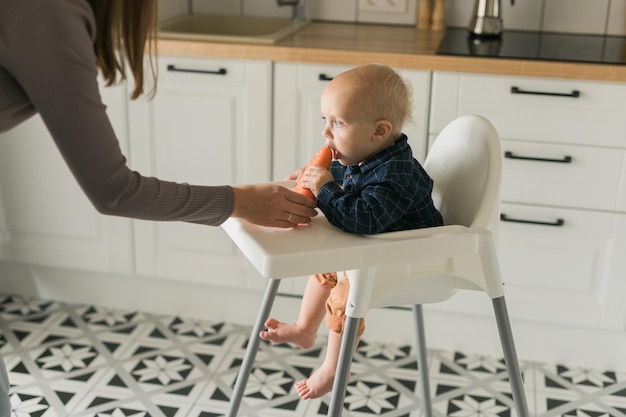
168	9
617	18
523	15
265	8
573	16
332	11
224	7
458	13
405	17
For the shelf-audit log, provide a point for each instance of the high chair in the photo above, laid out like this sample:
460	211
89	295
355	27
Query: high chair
411	267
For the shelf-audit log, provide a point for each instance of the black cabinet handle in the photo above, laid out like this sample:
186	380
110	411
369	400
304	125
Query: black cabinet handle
221	71
557	223
324	77
565	160
573	94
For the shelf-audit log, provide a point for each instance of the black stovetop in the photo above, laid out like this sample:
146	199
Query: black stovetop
537	46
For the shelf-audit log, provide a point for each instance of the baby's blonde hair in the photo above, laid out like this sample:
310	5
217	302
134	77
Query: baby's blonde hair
390	96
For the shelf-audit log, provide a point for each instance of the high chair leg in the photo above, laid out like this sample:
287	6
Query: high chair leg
422	361
343	366
253	347
510	356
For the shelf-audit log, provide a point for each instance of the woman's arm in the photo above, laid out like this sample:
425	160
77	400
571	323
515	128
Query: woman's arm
51	57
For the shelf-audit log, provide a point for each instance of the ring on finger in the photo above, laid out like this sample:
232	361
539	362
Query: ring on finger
289	218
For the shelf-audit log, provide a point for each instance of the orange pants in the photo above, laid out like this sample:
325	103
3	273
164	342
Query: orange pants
336	302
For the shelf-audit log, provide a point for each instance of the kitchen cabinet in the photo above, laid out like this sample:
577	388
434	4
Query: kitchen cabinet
208	124
562	231
46	220
298	120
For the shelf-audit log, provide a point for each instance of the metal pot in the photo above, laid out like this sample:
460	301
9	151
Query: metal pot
486	20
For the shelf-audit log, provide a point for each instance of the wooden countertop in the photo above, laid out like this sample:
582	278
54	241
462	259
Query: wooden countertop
396	46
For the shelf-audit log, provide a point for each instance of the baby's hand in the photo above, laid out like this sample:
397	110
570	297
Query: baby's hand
315	177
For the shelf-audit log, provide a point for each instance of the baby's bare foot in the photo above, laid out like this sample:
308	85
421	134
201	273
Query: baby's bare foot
318	385
279	332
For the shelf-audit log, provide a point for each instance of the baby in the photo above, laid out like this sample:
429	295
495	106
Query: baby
374	185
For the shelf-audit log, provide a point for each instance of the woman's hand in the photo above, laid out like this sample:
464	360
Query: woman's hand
272	205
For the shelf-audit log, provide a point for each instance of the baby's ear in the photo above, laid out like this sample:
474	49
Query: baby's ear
383	129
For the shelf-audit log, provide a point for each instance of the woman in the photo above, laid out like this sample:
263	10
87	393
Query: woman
50	55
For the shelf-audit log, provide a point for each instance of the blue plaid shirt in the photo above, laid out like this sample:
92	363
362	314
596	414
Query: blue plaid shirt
389	192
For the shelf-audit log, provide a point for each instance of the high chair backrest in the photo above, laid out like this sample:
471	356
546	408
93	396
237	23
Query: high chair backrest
465	163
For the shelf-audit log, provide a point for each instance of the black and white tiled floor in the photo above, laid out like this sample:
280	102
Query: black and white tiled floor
82	360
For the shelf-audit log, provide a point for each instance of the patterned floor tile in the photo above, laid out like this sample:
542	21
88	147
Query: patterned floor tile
159	371
19	373
476	402
132	408
577	378
15	306
42	329
568	403
99	318
190	329
79	360
566	391
467	384
32	401
270	384
5	346
67	358
87	361
104	396
70	392
203	411
373	395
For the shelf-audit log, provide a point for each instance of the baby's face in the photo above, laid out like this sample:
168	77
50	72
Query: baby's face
349	127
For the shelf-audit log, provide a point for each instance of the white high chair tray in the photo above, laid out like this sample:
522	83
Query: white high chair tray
320	247
305	249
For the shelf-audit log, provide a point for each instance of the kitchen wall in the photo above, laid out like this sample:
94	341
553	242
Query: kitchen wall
578	16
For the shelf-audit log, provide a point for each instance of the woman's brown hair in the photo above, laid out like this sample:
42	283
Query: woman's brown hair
125	29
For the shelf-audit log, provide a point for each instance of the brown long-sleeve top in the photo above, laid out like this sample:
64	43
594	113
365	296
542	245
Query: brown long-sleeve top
48	66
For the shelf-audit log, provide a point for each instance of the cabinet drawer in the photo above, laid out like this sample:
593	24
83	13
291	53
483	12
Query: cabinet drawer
561	175
560	268
318	75
181	71
538	109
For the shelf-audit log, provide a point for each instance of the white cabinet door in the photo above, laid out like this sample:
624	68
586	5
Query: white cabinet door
614	312
209	124
297	117
561	267
563	263
563	232
47	220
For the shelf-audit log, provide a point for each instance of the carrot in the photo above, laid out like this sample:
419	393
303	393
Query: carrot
322	158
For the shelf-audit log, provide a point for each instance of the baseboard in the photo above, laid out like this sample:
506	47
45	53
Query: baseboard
537	342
